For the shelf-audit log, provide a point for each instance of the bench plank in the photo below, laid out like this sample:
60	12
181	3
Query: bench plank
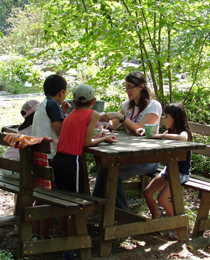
56	197
197	185
48	211
9	164
56	204
96	200
7	220
31	247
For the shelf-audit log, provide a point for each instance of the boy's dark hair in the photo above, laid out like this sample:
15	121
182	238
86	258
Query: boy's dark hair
53	84
80	104
178	113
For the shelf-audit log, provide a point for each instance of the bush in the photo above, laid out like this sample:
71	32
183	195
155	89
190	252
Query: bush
197	104
18	70
6	255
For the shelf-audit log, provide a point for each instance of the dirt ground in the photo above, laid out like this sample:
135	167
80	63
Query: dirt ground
150	246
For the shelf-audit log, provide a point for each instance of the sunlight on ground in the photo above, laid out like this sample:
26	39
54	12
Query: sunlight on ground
164	246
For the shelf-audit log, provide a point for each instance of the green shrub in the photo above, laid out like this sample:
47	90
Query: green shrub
18	70
197	103
6	255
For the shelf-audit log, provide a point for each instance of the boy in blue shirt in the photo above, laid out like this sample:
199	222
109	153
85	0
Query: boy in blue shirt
47	121
50	114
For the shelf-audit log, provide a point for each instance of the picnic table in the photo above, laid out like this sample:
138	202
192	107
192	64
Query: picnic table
131	150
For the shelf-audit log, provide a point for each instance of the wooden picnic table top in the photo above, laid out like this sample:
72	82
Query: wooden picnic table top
133	145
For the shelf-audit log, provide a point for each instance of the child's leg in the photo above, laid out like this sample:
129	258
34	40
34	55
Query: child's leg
156	184
163	199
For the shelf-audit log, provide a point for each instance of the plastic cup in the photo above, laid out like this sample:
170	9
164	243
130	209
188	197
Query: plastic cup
96	131
150	129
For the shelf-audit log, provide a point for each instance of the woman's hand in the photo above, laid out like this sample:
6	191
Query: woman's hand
140	131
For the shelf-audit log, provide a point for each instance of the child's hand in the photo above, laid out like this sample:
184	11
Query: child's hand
111	139
102	133
140	131
104	118
65	107
156	136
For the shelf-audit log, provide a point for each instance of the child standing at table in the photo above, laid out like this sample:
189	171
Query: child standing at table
50	114
76	133
48	121
177	129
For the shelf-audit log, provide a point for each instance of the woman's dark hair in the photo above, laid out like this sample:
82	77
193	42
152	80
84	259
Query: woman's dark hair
53	84
137	78
27	122
179	115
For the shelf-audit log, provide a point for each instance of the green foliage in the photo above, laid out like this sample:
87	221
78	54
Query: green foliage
25	31
5	9
165	37
6	255
200	165
197	105
18	70
91	165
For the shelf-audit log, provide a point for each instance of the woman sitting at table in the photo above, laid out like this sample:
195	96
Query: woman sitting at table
139	109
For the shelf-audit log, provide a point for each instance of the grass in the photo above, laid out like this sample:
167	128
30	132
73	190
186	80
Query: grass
10	110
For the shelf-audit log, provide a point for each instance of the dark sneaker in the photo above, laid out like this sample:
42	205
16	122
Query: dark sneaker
70	256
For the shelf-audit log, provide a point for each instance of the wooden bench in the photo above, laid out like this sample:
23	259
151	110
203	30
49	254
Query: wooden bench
56	203
10	129
199	183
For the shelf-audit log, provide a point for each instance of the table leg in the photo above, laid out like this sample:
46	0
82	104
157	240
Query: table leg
177	197
108	212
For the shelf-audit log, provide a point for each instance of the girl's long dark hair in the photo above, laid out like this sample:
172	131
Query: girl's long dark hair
137	78
27	122
179	115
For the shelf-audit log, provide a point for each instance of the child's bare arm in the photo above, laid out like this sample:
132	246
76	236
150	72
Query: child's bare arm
57	127
89	140
183	136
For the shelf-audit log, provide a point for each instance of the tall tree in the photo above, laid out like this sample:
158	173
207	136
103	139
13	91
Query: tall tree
164	36
25	31
5	10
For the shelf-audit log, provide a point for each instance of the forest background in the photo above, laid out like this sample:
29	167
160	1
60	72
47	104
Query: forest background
100	41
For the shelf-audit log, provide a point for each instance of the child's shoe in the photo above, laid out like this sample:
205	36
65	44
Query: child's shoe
70	256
